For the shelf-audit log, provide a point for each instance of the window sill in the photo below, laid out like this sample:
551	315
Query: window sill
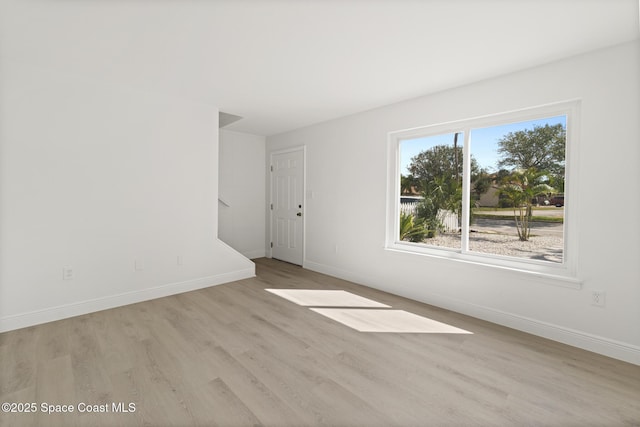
554	276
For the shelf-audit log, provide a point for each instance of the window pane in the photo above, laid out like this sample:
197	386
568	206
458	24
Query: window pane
517	191
431	189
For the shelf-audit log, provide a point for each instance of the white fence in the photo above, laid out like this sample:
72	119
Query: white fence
409	208
449	219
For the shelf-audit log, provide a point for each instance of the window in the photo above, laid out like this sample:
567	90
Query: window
491	190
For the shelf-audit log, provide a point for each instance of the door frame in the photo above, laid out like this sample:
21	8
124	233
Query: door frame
303	149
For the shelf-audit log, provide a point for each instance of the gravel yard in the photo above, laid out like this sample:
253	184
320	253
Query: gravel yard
546	248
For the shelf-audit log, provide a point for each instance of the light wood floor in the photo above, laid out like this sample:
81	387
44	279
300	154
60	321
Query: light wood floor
235	355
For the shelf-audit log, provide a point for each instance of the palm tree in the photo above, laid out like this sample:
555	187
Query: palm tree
520	188
411	229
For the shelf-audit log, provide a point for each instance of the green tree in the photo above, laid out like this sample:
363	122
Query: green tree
427	212
438	171
542	148
520	188
440	194
536	158
440	161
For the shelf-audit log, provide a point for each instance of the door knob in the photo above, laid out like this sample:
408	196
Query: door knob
299	214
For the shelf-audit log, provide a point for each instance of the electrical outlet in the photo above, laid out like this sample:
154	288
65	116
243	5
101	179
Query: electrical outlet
598	298
67	273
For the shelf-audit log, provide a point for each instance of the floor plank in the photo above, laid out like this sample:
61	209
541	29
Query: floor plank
237	355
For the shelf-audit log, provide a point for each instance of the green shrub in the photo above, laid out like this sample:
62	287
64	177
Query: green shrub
411	229
427	212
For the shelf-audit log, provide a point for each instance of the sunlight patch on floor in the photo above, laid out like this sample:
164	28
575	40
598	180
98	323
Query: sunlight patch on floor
399	321
325	298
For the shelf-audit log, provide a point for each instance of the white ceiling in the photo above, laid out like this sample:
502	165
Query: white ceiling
284	64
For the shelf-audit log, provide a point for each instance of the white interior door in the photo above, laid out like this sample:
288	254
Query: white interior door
287	192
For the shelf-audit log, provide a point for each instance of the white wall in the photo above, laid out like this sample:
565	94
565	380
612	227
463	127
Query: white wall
347	182
241	224
95	177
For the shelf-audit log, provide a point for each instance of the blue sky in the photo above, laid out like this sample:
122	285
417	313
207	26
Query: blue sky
484	142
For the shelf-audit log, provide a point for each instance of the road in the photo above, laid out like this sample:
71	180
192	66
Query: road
553	212
508	227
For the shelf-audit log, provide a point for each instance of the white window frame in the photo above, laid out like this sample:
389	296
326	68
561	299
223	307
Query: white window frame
564	273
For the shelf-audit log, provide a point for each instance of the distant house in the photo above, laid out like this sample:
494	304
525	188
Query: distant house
490	198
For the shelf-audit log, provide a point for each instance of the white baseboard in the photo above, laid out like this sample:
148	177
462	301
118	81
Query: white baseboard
607	347
24	320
